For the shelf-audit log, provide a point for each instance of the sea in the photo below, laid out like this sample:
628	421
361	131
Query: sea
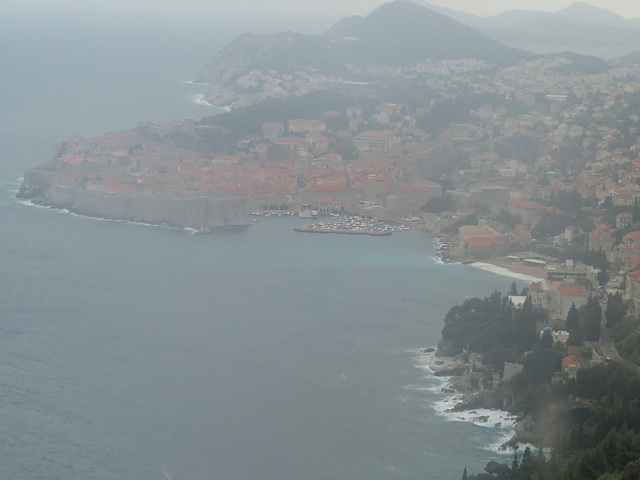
137	352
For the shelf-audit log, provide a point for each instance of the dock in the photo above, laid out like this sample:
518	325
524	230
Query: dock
344	231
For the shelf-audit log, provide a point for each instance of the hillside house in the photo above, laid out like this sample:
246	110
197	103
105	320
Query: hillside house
298	125
526	209
272	131
371	140
599	239
568	295
570	367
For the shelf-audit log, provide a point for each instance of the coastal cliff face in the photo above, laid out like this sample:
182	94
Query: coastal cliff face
200	213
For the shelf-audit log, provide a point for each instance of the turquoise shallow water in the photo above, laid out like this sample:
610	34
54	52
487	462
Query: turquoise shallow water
129	351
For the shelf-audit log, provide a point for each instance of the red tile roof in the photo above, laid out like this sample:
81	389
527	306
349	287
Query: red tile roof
522	203
572	291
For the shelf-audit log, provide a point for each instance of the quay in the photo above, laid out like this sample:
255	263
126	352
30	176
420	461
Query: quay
346	231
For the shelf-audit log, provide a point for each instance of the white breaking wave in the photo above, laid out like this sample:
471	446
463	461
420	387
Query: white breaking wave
166	474
191	82
29	203
500	423
439	260
504	272
199	99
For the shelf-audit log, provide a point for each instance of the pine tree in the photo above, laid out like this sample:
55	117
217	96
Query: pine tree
615	311
593	319
546	340
573	319
529	334
464	474
514	464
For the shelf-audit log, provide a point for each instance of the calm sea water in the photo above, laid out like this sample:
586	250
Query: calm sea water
137	352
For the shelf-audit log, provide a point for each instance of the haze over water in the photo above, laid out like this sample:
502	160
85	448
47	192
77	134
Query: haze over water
129	351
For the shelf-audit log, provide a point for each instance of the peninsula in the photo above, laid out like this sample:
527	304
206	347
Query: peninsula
513	159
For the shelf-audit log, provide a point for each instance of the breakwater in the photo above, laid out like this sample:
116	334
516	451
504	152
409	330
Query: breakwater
346	231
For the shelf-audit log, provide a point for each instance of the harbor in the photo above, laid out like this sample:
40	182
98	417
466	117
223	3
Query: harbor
353	225
314	229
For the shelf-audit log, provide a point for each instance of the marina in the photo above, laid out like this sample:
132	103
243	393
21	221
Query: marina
353	225
313	229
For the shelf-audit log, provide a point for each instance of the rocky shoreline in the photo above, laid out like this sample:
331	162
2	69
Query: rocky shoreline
473	395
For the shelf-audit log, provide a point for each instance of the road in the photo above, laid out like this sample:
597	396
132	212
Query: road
607	346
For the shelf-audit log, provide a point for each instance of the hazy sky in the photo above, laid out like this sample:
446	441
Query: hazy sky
339	8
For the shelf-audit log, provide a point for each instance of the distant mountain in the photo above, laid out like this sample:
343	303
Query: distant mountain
461	17
402	31
396	34
578	12
585	14
632	59
580	27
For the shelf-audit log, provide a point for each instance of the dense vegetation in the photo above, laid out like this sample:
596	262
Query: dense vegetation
596	419
490	325
249	120
458	110
591	424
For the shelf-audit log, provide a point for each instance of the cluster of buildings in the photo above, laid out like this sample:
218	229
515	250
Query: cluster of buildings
584	129
291	166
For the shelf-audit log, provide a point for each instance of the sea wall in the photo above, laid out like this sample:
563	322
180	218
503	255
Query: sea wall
202	213
36	183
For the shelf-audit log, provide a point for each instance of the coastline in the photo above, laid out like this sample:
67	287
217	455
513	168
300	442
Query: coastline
452	395
461	401
447	251
511	269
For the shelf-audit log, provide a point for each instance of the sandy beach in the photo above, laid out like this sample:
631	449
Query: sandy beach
517	267
502	266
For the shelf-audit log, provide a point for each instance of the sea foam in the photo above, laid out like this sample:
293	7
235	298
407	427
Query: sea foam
499	424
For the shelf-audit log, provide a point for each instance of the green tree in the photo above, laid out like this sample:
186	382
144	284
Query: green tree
498	470
525	334
278	152
575	337
631	471
347	149
438	204
592	319
615	310
546	340
573	318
